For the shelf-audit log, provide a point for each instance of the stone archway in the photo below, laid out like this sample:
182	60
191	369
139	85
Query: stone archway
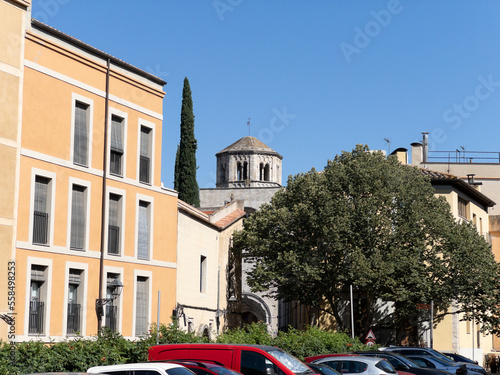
254	309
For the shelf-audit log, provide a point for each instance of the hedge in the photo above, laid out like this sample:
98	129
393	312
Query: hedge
78	354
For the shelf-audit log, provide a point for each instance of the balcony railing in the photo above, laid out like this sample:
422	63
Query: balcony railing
73	318
36	317
461	156
40	227
111	317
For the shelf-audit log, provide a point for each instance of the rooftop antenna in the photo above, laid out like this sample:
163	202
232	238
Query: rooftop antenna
248	124
388	140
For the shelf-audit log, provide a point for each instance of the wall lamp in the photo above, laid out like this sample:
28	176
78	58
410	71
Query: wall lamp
116	287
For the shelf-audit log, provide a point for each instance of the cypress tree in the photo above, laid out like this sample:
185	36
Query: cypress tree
185	162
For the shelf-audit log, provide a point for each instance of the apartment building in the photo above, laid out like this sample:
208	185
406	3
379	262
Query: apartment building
93	234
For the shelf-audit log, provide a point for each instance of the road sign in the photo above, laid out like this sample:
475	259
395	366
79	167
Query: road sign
370	336
423	306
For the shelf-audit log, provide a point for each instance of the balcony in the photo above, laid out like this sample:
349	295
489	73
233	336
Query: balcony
36	317
73	326
111	317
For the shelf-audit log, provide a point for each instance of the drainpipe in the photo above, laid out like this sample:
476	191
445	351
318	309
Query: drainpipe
99	311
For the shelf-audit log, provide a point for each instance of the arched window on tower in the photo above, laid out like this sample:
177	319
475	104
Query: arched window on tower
239	171
261	172
267	172
245	170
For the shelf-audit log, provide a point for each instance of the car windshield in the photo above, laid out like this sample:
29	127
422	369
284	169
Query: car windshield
407	361
323	369
292	363
439	355
440	361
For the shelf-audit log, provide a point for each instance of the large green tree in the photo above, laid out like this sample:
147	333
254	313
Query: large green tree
185	161
373	223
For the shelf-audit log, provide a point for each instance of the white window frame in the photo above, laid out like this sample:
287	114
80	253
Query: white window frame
52	176
48	301
124	115
152	126
84	267
150	200
122	193
74	98
149	275
87	185
117	270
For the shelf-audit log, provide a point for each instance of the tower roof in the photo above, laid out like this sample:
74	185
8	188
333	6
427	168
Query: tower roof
248	145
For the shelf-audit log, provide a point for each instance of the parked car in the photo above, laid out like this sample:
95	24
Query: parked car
472	369
429	361
401	363
459	358
322	369
355	364
247	359
205	367
148	368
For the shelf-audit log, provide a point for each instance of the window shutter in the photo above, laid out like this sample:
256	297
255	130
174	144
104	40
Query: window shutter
142	303
80	147
143	231
78	219
116	133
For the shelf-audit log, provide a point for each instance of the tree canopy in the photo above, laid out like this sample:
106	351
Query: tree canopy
373	223
185	161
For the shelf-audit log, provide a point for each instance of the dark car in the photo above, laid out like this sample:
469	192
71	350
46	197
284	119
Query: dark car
472	369
322	369
459	358
401	363
205	367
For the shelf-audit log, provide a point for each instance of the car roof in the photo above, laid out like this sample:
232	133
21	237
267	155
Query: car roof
315	357
134	366
353	358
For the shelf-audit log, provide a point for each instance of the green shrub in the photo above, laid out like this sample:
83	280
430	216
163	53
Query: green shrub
78	354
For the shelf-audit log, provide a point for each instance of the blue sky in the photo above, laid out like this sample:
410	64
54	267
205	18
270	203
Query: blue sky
316	77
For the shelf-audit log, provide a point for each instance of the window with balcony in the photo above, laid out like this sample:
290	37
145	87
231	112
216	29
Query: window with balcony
145	155
41	210
38	293
74	313
117	146
114	223
143	230
81	133
78	217
142	306
111	309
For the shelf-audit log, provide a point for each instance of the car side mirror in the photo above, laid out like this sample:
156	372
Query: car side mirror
270	371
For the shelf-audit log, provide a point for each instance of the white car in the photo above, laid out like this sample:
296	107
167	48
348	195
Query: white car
146	368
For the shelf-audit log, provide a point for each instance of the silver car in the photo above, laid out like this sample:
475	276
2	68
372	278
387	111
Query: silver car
358	365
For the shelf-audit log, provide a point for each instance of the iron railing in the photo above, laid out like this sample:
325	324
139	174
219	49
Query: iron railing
73	318
36	317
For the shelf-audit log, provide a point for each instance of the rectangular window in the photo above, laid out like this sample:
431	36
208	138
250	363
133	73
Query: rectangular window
114	223
142	306
78	217
37	299
81	134
143	231
145	155
116	152
203	274
111	309
463	208
41	210
74	301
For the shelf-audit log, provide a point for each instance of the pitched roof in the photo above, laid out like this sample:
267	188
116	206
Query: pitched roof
249	145
440	178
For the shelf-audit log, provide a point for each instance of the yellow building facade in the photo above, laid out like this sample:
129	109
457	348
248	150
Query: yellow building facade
93	232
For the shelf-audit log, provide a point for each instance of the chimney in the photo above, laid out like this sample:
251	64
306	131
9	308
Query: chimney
416	153
425	145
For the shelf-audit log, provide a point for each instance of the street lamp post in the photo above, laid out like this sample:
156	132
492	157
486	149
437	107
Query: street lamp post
116	286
